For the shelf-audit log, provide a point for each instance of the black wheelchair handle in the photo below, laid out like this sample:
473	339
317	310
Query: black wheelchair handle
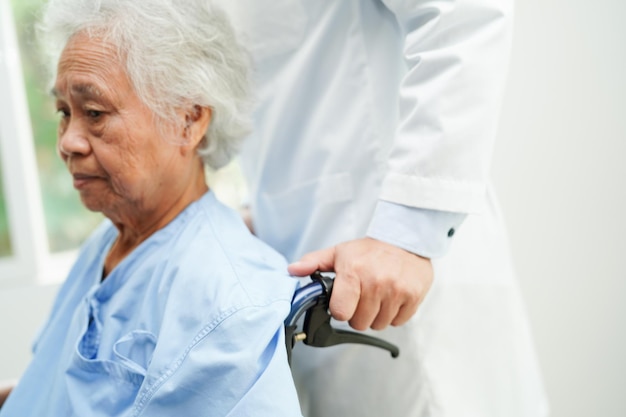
312	301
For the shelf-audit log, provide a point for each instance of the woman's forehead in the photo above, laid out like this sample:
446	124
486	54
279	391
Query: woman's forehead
85	46
88	66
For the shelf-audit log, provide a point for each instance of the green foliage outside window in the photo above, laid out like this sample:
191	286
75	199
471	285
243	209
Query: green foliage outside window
5	242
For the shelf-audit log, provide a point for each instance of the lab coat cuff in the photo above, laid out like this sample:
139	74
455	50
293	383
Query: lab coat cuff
424	232
434	193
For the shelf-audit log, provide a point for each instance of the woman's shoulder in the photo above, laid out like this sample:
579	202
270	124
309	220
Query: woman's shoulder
217	256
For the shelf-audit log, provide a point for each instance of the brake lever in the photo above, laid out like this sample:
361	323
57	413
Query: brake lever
312	300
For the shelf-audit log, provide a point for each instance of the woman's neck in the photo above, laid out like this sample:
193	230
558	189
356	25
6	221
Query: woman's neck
137	228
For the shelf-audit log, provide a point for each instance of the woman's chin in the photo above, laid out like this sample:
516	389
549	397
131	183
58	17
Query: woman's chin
92	203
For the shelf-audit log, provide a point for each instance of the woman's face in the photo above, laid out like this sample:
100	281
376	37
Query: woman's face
120	163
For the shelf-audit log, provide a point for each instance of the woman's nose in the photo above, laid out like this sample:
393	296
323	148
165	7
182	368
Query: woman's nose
73	141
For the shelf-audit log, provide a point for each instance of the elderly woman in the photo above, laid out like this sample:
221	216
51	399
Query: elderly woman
173	308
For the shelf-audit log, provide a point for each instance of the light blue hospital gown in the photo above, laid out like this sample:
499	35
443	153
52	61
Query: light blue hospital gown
189	324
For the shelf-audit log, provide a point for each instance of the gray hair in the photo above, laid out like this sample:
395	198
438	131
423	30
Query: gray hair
176	53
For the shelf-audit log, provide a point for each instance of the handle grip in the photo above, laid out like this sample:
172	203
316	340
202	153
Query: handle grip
312	300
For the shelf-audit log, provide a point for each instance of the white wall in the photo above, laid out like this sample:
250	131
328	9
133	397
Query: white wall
22	311
559	172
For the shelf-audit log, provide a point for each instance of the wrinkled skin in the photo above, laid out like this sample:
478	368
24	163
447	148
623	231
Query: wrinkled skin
122	164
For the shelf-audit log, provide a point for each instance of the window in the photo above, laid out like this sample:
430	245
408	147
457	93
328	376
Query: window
20	189
67	221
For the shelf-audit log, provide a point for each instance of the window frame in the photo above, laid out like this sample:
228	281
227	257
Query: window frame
29	242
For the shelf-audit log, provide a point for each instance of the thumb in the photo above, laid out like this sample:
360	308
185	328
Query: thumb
322	260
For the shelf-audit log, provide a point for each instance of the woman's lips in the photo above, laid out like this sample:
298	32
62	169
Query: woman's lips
82	180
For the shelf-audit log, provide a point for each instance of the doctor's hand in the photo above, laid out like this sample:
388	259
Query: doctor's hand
376	283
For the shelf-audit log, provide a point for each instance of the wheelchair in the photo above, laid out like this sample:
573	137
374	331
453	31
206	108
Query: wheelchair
312	302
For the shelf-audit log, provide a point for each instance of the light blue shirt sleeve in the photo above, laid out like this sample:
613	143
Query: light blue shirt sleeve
235	368
425	232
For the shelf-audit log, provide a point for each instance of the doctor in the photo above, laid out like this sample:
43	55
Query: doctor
374	131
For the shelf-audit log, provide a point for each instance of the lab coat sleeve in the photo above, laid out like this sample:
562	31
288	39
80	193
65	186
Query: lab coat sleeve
427	233
456	53
237	368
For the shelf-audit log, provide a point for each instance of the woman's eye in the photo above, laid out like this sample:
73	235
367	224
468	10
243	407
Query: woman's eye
94	114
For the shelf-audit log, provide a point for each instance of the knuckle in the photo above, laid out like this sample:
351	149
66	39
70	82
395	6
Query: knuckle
413	298
359	269
378	287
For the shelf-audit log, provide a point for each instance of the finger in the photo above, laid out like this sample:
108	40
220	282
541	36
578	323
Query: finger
322	260
409	307
387	313
405	312
302	268
377	307
345	297
366	312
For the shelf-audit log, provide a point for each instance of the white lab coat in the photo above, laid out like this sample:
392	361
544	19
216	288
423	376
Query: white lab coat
367	100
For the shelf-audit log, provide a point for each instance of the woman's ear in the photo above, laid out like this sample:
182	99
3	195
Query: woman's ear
197	120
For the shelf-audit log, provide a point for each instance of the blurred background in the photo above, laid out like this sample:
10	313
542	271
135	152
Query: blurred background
560	174
558	169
